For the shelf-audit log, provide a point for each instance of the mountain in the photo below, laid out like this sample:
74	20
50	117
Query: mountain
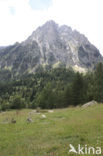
52	45
2	47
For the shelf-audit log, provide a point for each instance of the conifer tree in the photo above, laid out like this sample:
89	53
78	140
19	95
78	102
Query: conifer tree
78	90
98	83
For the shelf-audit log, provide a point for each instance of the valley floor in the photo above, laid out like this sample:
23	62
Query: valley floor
52	135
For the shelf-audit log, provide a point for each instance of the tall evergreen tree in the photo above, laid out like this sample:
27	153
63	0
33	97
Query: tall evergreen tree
98	83
67	96
78	90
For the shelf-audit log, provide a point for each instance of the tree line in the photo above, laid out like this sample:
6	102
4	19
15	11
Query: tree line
52	88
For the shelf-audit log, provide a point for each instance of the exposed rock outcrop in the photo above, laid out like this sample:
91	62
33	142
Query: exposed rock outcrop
50	44
91	103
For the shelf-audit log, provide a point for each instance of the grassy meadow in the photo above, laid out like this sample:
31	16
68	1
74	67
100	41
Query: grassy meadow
52	135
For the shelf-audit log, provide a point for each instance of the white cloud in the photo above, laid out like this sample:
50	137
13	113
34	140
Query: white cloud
83	15
19	26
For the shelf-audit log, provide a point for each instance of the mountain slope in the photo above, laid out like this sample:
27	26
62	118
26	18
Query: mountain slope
52	45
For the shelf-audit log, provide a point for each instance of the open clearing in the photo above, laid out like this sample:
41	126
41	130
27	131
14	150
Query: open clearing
52	135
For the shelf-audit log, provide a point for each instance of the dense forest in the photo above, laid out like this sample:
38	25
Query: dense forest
51	88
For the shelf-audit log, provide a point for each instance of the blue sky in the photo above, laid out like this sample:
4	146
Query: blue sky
40	4
12	10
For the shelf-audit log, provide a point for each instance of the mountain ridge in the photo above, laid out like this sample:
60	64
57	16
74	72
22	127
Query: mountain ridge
50	44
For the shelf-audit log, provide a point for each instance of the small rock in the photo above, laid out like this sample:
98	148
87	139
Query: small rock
29	120
43	116
50	111
13	120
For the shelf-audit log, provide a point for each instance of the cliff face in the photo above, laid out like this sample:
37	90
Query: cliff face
50	45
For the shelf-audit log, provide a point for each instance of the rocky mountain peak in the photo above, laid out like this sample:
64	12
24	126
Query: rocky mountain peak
53	45
51	31
50	23
47	32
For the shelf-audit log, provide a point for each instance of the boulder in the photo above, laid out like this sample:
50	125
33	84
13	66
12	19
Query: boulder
13	120
29	120
43	116
91	103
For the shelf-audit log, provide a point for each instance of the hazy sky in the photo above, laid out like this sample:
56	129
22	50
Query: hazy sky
18	18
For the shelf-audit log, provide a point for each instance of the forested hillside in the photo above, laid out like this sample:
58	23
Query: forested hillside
52	88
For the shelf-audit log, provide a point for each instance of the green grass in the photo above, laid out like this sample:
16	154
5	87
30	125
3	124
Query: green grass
51	136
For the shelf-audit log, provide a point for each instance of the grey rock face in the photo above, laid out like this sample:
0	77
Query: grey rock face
91	103
62	44
50	44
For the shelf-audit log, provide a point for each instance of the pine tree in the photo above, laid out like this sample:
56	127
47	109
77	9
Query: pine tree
68	96
78	90
98	83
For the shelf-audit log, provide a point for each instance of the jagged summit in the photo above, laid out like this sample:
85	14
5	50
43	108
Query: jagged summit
50	44
45	32
50	31
50	22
